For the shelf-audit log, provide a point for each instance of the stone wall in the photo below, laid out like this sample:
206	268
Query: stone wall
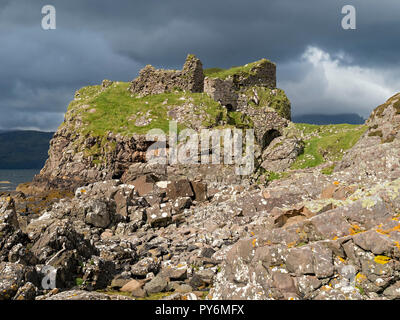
155	81
227	91
263	74
222	91
191	79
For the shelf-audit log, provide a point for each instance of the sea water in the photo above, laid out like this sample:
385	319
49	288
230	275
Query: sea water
10	179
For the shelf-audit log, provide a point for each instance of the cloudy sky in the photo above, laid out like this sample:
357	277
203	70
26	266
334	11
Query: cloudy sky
322	67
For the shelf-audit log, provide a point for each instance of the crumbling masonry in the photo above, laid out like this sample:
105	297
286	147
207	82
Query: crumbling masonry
191	78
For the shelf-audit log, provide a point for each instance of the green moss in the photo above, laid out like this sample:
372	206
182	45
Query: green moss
268	98
301	244
115	293
212	71
190	57
116	110
327	142
361	289
79	281
239	120
156	296
328	170
245	70
377	133
271	175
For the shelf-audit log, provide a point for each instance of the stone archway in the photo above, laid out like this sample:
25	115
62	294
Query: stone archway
269	136
229	107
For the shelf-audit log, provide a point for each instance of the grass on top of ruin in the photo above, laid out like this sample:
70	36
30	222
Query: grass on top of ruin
226	73
117	110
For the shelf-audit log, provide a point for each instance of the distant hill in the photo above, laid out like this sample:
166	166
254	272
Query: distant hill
24	149
350	118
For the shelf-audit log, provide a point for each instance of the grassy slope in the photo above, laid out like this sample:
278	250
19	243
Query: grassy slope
113	109
326	143
116	110
225	73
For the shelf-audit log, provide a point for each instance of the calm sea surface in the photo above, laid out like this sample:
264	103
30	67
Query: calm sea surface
10	179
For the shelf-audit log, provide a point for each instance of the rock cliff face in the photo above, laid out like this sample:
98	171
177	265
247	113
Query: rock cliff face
339	239
89	148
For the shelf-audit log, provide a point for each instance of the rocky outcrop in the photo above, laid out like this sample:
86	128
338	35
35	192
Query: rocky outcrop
348	252
385	120
338	240
83	151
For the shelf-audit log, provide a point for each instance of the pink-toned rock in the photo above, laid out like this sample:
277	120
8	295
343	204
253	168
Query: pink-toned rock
131	286
106	234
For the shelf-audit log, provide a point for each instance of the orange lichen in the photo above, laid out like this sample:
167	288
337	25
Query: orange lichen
254	242
382	259
354	229
388	231
360	277
291	244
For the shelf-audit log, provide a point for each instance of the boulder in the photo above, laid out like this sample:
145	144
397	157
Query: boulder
144	267
97	213
159	215
281	153
199	190
14	276
132	286
180	188
84	295
144	184
156	285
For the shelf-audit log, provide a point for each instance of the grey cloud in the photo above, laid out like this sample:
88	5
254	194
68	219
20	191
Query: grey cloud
97	39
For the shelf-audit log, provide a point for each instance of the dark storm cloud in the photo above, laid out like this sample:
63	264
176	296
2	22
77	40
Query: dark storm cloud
98	39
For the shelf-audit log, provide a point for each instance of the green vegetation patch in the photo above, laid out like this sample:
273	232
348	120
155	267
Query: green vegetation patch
271	98
326	143
239	120
245	70
115	293
328	170
157	296
119	111
270	176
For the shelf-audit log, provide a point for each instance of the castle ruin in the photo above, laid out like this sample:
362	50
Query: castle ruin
191	78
